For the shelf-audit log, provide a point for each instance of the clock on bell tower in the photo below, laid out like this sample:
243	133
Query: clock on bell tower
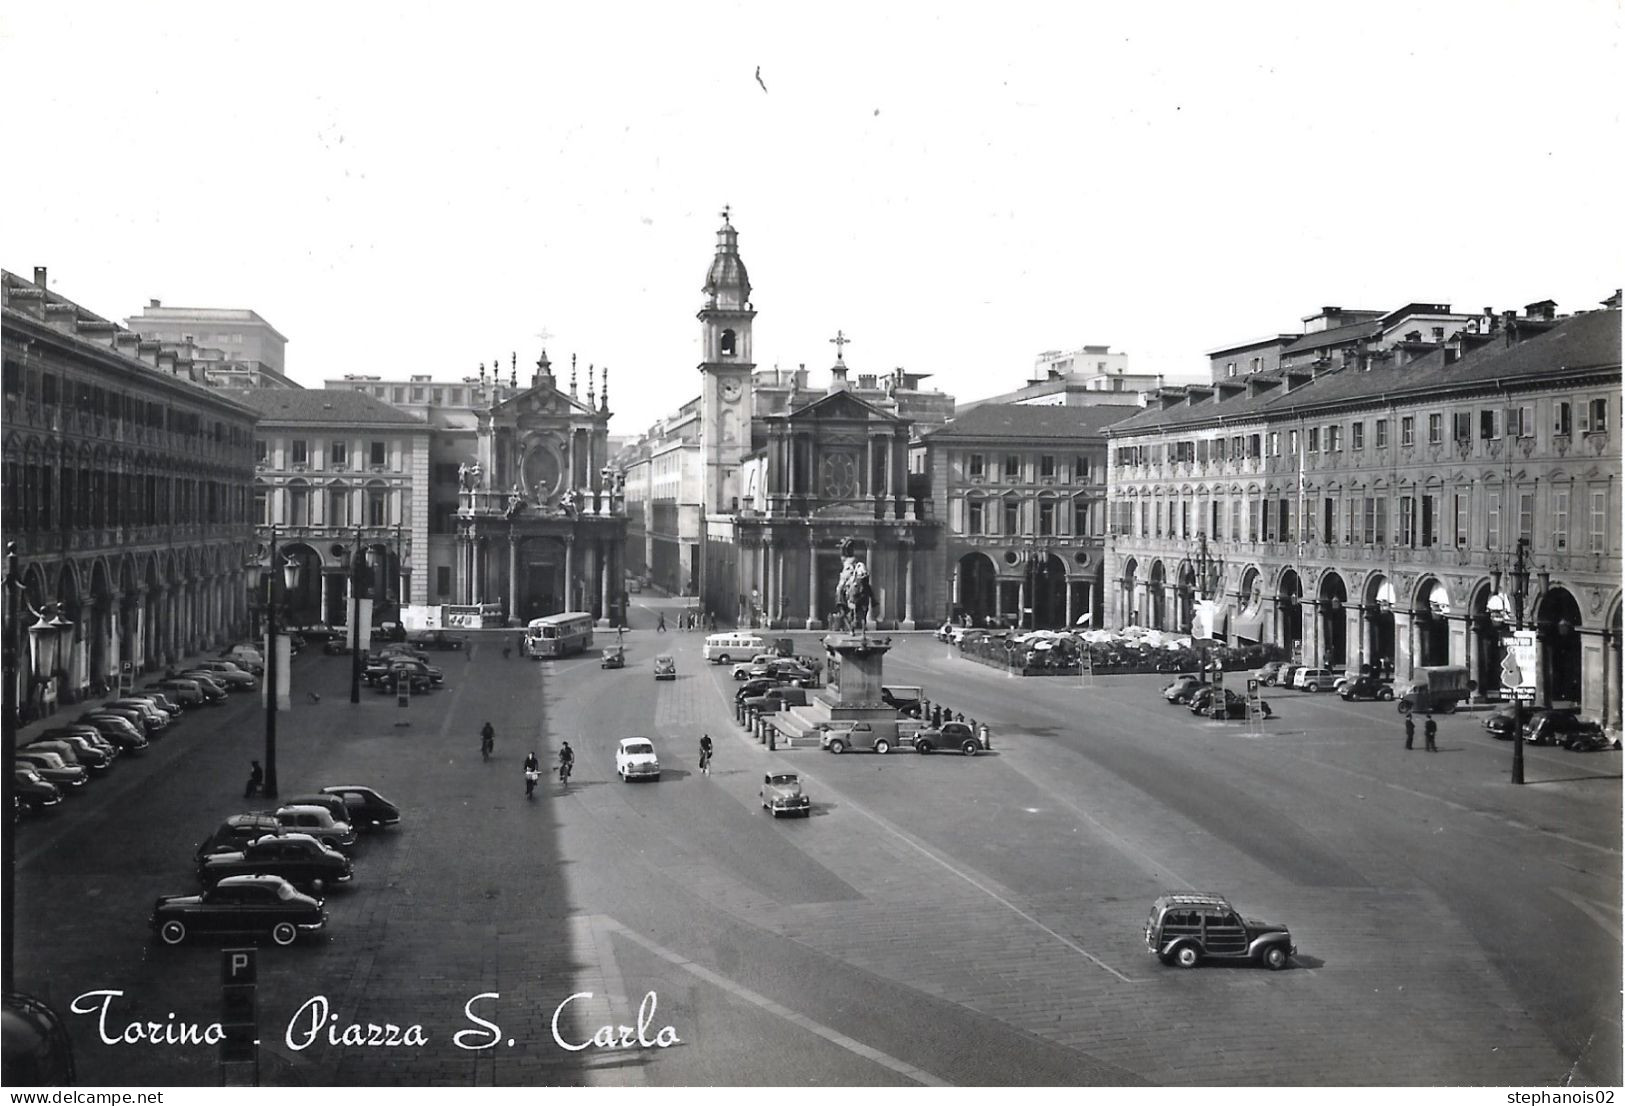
725	368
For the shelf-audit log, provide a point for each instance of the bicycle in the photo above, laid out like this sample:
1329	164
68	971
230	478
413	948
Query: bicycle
564	772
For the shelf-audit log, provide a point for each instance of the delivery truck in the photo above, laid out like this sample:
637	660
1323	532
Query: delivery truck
1436	688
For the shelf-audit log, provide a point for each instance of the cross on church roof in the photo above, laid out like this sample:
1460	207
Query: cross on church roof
725	209
840	340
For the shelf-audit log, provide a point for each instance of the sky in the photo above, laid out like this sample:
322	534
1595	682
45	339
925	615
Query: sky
418	188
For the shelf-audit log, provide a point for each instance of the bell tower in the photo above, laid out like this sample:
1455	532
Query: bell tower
725	368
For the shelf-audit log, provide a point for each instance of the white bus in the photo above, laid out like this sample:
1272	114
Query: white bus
558	635
726	647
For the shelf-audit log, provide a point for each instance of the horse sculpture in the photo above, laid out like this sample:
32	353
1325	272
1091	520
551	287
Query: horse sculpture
853	595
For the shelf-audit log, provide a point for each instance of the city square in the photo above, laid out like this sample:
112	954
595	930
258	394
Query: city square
1080	548
937	920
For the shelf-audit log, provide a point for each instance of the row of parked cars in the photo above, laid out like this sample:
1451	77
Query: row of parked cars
265	873
65	756
388	666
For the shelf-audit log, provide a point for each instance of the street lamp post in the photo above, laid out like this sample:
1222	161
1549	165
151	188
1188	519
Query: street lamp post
1520	591
290	580
8	721
355	618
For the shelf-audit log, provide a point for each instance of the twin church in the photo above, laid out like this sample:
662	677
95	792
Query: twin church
744	498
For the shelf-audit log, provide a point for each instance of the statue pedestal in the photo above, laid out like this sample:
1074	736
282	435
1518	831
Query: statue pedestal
858	678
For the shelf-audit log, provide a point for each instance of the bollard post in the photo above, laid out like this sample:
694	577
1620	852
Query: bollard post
772	738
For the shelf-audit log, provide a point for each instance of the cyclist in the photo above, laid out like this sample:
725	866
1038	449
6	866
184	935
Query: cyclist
488	740
533	770
567	762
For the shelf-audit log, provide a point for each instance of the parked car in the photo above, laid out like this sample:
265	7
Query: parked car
153	718
781	794
1367	687
239	905
1272	669
1283	677
665	667
33	791
120	731
1235	706
230	674
237	831
423	677
951	735
247	655
403	649
754	687
333	804
337	647
879	737
135	716
759	665
297	857
794	672
437	639
1183	687
318	822
73	751
215	688
319	631
189	693
52	768
1186	928
1555	726
613	657
367	808
635	759
775	699
1316	679
172	710
88	732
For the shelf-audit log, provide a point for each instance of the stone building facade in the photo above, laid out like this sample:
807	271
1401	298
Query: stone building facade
127	493
336	471
1356	509
1021	491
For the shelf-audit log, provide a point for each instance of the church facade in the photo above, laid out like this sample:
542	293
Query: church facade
784	489
540	523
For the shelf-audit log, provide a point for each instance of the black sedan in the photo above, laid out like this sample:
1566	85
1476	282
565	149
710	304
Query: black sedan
436	639
366	807
297	857
239	906
1235	706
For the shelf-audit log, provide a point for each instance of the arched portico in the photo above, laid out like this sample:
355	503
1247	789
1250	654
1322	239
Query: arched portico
1289	609
1558	621
1378	600
1334	597
1430	625
977	583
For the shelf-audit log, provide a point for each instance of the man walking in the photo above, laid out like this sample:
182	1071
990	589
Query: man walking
256	779
660	627
1410	732
1431	731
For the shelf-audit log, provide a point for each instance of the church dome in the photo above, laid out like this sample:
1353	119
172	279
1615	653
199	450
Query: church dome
726	282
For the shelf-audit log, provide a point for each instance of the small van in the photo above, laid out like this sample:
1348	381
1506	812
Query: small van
724	648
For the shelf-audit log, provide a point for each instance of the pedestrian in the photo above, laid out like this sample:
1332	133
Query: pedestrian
1431	731
936	717
960	717
705	754
660	627
982	734
256	779
1410	732
488	741
519	644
